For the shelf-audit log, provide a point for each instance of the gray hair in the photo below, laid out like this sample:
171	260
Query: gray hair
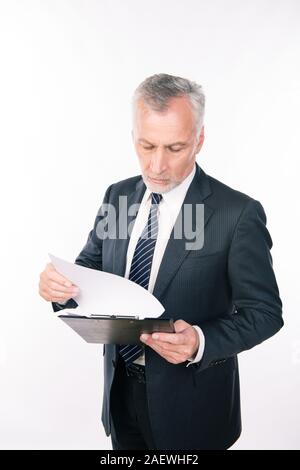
158	89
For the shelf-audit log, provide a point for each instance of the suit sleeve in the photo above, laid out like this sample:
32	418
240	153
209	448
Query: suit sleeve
91	254
257	308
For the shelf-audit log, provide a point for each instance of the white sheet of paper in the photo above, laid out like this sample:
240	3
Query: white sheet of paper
102	293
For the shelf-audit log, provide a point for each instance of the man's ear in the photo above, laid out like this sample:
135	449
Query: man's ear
200	140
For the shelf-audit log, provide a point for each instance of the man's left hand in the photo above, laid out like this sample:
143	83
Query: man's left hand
174	347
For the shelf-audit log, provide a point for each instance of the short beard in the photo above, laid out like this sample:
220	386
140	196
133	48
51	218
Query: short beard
160	189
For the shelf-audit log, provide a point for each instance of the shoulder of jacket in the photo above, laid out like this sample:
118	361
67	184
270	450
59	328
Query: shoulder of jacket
125	186
226	197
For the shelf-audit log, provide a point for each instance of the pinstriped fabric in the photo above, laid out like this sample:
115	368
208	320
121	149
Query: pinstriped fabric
141	267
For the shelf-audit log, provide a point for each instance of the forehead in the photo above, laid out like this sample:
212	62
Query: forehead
176	121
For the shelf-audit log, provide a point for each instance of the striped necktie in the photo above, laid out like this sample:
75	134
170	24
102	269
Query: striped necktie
141	267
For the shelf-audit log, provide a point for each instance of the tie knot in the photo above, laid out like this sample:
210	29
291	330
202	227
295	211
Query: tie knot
156	198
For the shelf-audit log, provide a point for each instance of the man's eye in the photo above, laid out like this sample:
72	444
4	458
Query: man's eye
175	150
148	148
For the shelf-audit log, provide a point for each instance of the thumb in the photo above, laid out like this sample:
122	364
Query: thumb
180	326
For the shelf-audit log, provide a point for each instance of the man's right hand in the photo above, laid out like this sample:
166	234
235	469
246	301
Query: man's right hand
54	287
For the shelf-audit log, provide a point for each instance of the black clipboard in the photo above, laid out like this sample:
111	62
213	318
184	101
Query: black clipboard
111	329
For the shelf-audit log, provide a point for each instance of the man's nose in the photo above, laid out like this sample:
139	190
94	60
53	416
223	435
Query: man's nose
159	161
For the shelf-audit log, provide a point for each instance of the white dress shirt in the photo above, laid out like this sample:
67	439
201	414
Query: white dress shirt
168	210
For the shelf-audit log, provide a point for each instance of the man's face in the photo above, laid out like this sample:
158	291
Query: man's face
166	143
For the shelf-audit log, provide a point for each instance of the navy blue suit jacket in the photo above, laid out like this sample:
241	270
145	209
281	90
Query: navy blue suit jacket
228	288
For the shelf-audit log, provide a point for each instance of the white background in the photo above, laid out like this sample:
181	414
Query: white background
68	70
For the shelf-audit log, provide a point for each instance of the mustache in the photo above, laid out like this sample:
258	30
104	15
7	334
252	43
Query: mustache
158	178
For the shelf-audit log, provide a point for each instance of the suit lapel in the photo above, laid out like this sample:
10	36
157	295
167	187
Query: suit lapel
121	245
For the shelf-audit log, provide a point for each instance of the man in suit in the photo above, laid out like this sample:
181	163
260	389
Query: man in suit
179	390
